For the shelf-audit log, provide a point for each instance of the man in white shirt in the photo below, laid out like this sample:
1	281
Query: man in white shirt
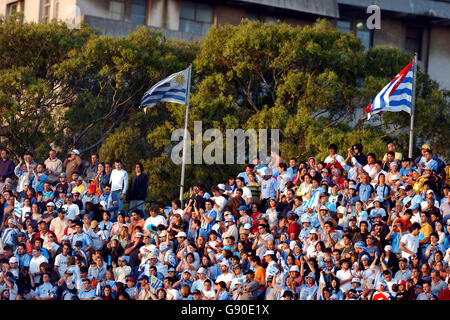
154	219
119	186
61	260
284	176
247	194
226	276
59	224
72	209
409	244
370	166
35	263
219	202
334	157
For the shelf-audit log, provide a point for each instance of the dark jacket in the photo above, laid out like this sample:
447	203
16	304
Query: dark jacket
6	169
361	158
138	187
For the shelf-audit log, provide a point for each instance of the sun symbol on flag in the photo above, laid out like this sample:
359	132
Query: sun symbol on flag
179	80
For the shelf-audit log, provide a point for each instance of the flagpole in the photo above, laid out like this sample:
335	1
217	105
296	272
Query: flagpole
413	102
185	136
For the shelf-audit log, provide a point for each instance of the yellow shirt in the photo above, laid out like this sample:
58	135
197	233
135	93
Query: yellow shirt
81	189
426	229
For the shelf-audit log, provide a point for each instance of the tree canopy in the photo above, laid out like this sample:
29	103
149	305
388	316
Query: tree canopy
65	89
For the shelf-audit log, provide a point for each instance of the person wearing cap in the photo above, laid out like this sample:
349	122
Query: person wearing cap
231	228
381	292
305	220
72	209
72	163
393	173
201	278
269	188
249	289
98	236
225	275
309	290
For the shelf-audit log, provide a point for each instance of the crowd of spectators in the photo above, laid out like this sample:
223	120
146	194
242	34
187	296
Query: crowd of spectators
356	228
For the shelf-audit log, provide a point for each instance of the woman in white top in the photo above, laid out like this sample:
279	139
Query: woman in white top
272	213
304	190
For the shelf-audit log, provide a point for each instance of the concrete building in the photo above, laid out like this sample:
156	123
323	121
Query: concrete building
421	26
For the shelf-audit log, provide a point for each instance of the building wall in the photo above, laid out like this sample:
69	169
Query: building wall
392	33
439	62
173	15
97	8
228	15
156	13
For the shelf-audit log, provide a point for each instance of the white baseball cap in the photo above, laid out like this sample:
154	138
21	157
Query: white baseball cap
75	151
181	234
294	268
269	252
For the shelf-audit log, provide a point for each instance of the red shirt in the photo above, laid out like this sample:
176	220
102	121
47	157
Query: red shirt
444	295
294	228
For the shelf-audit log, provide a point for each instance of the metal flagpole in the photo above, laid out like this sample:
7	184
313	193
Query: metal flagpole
185	136
413	102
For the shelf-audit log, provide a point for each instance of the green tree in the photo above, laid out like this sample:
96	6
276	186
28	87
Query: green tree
32	96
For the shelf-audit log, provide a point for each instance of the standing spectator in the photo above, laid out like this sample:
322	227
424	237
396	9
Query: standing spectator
91	169
6	166
119	186
72	163
409	243
54	167
138	188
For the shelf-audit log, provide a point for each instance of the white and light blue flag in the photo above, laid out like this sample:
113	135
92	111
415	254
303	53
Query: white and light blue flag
171	89
312	202
396	95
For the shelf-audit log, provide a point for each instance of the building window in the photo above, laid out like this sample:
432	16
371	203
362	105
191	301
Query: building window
139	11
358	28
413	42
271	19
251	16
46	11
364	34
344	26
195	17
116	10
12	8
56	9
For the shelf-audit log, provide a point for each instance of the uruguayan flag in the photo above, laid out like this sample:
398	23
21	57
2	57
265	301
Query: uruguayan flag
155	283
312	202
396	95
171	89
17	208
